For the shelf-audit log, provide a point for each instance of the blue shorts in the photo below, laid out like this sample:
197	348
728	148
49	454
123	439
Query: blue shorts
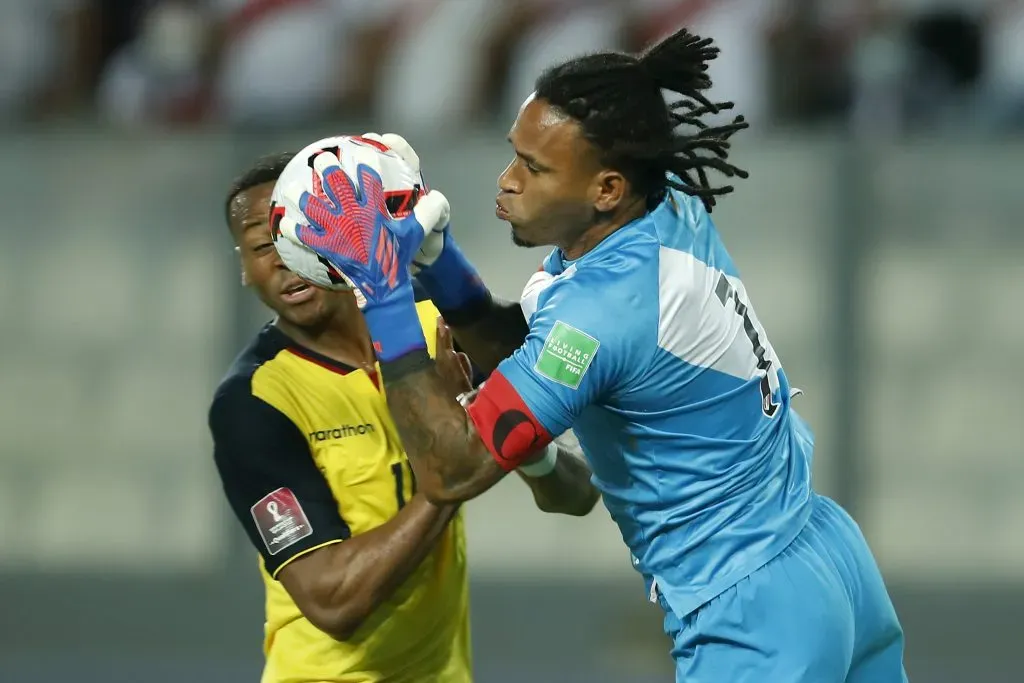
818	612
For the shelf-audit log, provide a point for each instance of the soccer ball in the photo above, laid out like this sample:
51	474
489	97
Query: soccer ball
403	186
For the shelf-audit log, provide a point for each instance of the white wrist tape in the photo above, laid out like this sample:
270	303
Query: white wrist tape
542	466
467	397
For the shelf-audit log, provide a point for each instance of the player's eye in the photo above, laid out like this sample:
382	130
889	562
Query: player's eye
263	248
530	167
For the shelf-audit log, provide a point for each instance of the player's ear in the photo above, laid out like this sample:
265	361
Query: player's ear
610	188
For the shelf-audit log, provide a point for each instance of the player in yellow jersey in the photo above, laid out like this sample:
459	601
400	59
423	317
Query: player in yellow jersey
365	579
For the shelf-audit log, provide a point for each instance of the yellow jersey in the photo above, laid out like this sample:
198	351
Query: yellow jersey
308	456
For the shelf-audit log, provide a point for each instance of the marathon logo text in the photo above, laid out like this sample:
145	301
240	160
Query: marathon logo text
341	432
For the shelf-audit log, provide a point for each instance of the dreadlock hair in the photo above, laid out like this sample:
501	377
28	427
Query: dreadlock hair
617	100
266	169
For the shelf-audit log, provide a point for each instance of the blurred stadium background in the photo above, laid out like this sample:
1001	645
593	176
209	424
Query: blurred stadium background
881	233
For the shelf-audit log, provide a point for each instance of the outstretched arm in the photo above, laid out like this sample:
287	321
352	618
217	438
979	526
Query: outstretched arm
454	461
451	460
558	476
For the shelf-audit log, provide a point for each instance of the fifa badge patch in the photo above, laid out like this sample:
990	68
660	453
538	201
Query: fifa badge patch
566	355
280	520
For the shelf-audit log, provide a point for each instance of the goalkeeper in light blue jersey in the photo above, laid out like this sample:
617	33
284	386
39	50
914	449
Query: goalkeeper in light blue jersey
640	336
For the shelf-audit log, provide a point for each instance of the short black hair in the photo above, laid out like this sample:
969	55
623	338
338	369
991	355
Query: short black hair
266	169
618	101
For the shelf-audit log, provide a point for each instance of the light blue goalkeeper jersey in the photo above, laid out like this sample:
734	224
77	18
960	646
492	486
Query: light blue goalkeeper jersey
649	348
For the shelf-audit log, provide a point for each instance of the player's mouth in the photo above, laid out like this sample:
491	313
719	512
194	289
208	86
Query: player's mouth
501	212
297	292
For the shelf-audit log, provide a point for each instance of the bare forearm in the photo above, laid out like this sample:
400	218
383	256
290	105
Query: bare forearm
339	586
451	462
382	559
566	489
492	337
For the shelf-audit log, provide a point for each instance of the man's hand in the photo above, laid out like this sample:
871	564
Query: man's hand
433	242
453	366
450	279
349	225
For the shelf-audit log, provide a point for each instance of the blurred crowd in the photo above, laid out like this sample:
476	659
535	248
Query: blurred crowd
428	64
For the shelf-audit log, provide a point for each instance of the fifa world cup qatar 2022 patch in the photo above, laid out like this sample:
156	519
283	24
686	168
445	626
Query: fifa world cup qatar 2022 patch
281	520
566	355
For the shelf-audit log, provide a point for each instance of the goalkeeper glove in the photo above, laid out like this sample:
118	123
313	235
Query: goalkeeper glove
444	271
352	229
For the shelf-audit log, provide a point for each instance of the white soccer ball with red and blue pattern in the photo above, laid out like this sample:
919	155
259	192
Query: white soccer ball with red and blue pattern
403	186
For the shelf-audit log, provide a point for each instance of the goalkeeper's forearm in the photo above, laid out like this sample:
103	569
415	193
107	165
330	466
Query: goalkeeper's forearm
566	488
488	332
486	328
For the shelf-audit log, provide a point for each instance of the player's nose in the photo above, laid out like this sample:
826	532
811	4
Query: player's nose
507	181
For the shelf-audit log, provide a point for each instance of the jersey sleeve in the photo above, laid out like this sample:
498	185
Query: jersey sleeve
271	481
572	357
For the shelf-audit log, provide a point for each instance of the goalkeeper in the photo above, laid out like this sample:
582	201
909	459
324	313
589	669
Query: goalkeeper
639	334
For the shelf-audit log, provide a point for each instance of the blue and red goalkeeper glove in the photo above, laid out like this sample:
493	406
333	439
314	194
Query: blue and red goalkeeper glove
440	266
350	227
